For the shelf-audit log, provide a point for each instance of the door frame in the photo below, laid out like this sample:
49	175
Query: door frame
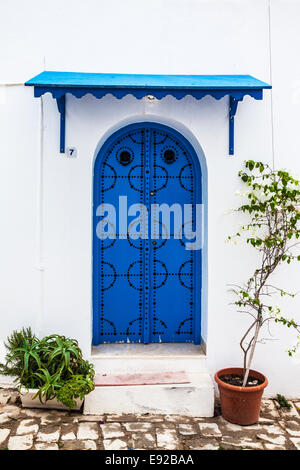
200	170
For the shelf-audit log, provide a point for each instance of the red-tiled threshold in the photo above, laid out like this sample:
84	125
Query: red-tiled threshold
142	379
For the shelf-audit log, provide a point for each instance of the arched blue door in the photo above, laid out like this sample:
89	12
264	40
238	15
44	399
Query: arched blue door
146	290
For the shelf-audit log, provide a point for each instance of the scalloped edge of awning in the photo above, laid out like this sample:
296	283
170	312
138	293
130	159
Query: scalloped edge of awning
139	93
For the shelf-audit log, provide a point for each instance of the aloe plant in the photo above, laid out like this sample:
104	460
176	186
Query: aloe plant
54	365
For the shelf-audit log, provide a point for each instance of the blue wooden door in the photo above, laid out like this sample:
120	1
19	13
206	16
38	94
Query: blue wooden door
148	289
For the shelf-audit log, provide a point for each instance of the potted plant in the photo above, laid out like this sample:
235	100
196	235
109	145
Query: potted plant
50	373
272	229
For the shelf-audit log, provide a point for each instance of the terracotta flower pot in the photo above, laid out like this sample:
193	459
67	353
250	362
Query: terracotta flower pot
240	405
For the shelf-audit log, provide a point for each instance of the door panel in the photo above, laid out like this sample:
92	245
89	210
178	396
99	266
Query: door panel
172	310
146	290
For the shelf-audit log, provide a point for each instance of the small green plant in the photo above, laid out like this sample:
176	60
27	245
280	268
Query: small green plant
76	387
54	365
283	403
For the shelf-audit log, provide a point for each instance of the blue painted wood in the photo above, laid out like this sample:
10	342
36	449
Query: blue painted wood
146	290
179	86
109	80
61	105
140	93
233	102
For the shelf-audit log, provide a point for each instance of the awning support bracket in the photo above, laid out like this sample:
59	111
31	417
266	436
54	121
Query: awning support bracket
233	102
61	105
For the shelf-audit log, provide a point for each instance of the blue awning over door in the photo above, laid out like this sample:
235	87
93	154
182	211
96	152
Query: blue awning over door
119	85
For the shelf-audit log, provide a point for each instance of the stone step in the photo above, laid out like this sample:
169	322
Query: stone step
193	399
139	358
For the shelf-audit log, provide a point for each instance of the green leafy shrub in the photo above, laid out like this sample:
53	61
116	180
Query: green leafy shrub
272	210
54	365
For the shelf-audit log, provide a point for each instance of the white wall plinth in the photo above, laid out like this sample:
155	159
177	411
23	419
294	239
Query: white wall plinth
7	381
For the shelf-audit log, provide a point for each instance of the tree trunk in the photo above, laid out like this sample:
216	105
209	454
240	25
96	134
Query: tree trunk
246	374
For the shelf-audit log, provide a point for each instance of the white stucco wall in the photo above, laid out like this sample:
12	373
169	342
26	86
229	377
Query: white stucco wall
45	198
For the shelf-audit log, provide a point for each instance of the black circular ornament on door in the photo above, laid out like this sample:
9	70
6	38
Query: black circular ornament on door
169	156
125	156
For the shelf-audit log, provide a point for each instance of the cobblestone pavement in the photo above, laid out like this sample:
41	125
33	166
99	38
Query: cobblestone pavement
22	429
